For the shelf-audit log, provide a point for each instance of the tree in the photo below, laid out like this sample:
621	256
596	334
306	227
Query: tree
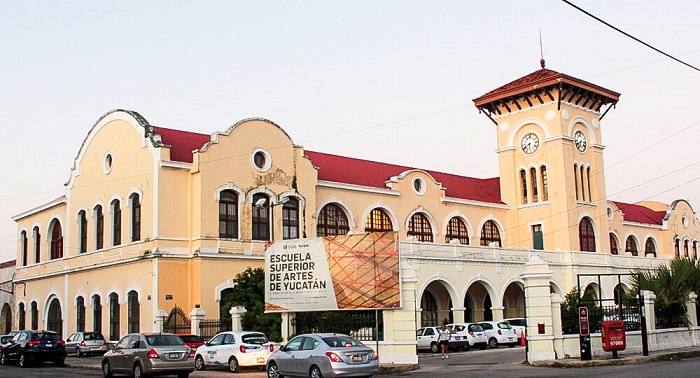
249	292
569	309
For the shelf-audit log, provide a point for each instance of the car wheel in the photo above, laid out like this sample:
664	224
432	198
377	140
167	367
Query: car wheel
493	343
106	369
233	365
138	372
315	372
467	346
22	360
273	371
199	363
434	347
78	353
3	359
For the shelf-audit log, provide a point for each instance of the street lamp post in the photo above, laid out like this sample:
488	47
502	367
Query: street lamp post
262	202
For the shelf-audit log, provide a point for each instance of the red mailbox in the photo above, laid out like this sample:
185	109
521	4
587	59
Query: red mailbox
613	335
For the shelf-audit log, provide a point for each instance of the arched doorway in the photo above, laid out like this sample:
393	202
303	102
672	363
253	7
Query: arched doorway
514	301
436	305
477	303
6	318
54	321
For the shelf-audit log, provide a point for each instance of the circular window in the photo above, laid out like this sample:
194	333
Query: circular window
685	222
419	186
108	161
610	214
261	160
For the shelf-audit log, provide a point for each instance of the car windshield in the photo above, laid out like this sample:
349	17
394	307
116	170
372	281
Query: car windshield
476	328
254	338
341	341
5	339
94	336
191	338
45	336
504	326
164	340
458	328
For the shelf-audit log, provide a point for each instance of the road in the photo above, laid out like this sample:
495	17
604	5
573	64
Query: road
502	362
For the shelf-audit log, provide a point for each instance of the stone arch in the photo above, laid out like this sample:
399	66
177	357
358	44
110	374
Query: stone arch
484	297
352	224
499	226
526	122
513	302
428	216
443	291
467	223
53	314
584	123
596	234
380	205
6	318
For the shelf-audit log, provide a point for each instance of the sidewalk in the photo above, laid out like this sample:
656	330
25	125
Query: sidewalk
664	355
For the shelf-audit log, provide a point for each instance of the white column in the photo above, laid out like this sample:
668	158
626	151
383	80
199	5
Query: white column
236	314
649	298
539	310
196	317
690	309
556	325
159	320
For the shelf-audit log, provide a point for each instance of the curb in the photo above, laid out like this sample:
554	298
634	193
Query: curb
661	356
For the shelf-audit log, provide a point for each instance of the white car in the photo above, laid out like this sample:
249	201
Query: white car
518	325
499	333
470	334
234	349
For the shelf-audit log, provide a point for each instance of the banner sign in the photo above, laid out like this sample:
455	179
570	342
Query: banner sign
345	272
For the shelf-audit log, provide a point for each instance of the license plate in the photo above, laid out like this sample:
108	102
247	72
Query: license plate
174	355
49	345
356	358
261	360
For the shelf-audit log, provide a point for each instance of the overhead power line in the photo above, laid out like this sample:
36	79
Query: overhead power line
630	35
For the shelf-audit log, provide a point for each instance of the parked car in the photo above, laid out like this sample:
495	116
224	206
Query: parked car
499	333
192	341
142	354
471	334
519	325
318	355
34	346
234	349
86	343
426	338
4	340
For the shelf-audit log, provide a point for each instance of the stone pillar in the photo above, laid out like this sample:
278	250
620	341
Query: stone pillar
538	302
399	344
236	314
288	327
497	312
196	317
458	314
649	298
556	325
690	309
159	320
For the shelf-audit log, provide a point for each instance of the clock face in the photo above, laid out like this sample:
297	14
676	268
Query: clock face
530	143
580	141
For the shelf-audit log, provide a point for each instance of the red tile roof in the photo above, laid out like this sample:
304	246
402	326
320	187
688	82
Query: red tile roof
373	174
640	214
182	143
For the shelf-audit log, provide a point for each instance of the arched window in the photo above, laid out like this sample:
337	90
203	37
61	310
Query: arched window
82	231
228	214
378	221
490	234
533	178
261	217
695	250
631	246
523	184
21	316
116	223
677	246
685	248
37	244
545	188
114	317
586	235
419	226
54	321
99	227
135	217
583	184
34	309
23	247
588	182
650	247
613	244
576	181
134	311
56	240
456	229
80	314
96	313
332	221
428	314
290	219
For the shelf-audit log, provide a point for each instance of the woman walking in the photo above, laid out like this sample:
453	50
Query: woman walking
443	340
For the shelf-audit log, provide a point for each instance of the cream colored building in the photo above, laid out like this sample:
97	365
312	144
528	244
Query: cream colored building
155	217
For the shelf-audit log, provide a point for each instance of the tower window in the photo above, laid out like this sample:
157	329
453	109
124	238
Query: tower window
523	184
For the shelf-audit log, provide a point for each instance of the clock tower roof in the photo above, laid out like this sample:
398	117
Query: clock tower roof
541	85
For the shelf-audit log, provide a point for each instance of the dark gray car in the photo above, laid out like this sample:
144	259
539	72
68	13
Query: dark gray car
318	355
140	355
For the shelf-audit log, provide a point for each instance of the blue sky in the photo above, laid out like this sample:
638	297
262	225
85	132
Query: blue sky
389	81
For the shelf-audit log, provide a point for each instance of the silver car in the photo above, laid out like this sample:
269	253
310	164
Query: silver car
86	343
318	355
140	354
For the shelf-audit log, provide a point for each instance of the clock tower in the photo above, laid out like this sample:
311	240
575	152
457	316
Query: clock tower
550	155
